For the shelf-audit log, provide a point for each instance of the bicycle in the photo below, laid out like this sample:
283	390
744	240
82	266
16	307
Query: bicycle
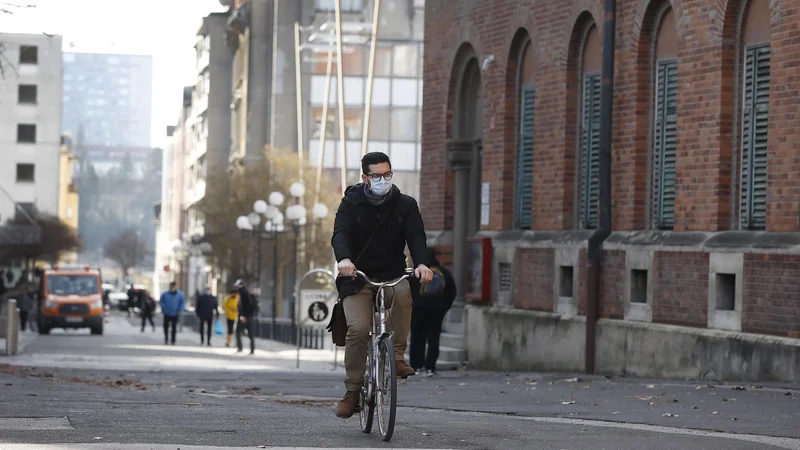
380	377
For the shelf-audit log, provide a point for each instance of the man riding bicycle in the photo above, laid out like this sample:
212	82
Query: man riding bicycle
374	223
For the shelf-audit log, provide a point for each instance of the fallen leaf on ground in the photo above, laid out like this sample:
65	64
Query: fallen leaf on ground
653	403
568	403
669	415
97	438
716	413
643	397
739	388
788	394
695	407
651	386
426	433
573	380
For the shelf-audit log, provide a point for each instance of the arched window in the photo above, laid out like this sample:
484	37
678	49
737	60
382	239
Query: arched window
526	96
755	61
665	104
591	66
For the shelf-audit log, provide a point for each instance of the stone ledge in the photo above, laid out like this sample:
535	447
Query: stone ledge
508	339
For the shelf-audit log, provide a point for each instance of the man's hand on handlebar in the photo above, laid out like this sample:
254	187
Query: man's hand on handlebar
347	268
423	273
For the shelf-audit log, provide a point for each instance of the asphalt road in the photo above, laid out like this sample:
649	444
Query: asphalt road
127	390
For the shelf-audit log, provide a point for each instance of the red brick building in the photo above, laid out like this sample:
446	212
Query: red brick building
704	258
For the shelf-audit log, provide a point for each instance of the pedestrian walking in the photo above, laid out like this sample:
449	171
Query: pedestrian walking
133	297
206	308
25	305
172	303
431	303
148	309
231	307
247	311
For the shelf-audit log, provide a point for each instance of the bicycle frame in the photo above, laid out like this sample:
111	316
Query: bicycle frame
379	331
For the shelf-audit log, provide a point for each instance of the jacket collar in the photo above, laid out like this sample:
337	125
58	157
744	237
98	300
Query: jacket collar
355	194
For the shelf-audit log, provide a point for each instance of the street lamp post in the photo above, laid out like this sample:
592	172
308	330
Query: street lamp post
273	227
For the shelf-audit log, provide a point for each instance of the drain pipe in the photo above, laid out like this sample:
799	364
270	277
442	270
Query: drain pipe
595	250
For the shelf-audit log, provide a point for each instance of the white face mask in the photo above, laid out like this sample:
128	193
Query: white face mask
380	187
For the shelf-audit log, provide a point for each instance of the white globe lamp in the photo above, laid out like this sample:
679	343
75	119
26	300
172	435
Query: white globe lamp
260	206
297	190
276	198
242	223
319	211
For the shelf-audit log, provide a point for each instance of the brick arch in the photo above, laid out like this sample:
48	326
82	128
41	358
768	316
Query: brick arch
644	16
581	11
649	14
509	120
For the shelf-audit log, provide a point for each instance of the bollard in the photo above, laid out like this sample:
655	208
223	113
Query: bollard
12	328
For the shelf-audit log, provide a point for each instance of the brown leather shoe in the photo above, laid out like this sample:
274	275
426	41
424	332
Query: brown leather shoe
348	405
403	371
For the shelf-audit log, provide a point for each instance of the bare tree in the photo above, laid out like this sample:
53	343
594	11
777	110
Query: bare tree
57	238
126	249
9	8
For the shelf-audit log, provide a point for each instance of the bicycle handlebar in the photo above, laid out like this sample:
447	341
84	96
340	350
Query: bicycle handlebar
363	276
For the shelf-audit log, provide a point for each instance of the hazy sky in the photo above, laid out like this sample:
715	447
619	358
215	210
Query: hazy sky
165	29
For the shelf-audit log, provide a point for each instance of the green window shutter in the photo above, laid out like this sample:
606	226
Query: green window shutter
590	152
755	122
524	176
664	144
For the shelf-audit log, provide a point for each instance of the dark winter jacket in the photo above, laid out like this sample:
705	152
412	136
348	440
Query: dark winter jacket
206	306
384	259
441	303
246	306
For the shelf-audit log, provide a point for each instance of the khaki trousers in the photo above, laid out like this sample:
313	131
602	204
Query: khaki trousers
357	309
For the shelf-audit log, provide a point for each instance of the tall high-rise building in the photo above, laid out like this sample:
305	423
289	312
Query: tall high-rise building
30	124
108	98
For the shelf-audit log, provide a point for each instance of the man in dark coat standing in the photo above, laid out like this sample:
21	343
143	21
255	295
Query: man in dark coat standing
247	312
205	309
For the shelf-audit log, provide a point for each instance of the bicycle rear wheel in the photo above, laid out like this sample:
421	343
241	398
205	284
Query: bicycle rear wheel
386	393
367	412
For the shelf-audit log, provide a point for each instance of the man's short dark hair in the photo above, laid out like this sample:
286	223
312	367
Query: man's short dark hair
374	158
171	284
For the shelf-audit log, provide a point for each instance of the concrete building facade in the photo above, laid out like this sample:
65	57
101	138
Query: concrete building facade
30	124
699	277
210	123
108	99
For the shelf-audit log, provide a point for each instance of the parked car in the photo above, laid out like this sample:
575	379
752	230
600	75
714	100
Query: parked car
113	297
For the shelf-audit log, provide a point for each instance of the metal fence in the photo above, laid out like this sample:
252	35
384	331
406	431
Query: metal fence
315	338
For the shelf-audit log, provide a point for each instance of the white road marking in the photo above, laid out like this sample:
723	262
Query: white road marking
110	446
34	424
780	442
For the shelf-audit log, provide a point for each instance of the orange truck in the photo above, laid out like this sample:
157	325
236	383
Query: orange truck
71	297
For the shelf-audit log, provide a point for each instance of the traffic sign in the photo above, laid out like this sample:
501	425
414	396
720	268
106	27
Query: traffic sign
316	306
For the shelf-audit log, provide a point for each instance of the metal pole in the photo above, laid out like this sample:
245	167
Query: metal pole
595	250
274	284
322	138
274	73
370	76
258	264
299	91
12	328
340	95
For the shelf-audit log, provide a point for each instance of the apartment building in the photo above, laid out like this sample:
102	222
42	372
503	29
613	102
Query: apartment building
30	124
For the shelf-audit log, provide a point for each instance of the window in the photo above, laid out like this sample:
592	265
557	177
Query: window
404	124
523	179
379	124
26	94
26	133
25	173
590	151
665	144
590	131
754	148
524	176
406	60
28	54
383	62
347	5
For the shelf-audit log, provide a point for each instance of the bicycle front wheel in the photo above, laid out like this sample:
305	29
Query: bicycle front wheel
386	394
